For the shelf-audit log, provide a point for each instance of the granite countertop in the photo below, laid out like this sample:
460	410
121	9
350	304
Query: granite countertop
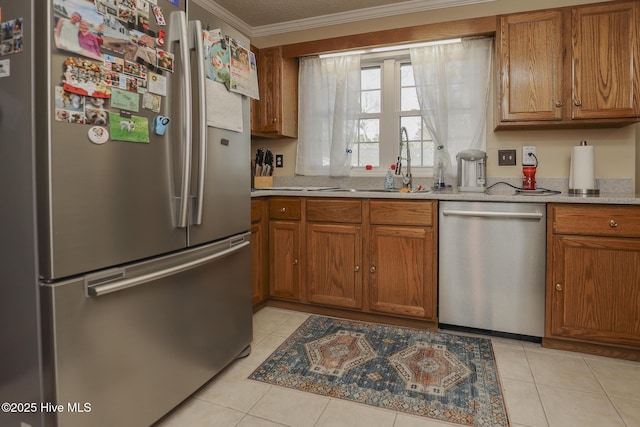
618	193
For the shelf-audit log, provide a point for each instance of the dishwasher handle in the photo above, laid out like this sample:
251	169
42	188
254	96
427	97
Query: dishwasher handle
107	288
489	214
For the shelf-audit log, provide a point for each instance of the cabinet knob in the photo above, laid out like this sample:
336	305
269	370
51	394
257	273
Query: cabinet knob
558	286
295	262
577	103
357	268
372	269
274	120
558	104
283	210
613	223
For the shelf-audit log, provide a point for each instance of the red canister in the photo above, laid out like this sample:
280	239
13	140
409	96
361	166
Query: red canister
529	180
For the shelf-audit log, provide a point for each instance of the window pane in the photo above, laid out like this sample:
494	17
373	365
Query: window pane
409	99
369	130
369	154
366	149
406	75
370	101
414	127
370	78
421	144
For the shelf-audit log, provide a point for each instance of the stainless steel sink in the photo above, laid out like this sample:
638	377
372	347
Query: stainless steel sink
372	190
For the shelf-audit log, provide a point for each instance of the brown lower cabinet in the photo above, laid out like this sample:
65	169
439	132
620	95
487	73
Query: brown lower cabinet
285	234
360	258
259	251
593	279
334	252
402	272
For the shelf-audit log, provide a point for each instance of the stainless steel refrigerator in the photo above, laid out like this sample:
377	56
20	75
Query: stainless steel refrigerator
125	266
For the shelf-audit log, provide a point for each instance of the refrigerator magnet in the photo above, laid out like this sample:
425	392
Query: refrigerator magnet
161	123
98	135
128	127
5	68
157	84
160	39
151	101
157	12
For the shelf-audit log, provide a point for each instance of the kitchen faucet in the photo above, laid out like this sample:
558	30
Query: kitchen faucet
406	178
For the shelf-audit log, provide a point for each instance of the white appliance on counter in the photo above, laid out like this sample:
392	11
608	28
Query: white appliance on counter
125	265
492	267
472	171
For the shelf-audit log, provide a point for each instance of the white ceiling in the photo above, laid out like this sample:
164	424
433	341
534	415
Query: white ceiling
266	17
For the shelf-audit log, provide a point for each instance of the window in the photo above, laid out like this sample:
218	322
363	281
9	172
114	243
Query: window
389	102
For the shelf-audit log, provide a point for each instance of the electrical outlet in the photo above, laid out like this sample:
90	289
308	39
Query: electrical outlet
529	156
506	157
279	160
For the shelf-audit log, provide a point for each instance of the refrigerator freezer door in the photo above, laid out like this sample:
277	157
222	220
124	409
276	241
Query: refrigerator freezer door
135	353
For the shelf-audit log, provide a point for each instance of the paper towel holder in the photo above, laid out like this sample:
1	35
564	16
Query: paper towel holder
584	191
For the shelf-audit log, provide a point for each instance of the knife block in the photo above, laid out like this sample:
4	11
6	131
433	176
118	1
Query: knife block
262	181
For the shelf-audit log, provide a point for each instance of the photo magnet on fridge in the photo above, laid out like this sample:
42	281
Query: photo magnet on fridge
86	78
77	24
132	129
5	68
125	100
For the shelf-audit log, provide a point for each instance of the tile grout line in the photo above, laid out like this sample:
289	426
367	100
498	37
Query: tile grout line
604	390
535	384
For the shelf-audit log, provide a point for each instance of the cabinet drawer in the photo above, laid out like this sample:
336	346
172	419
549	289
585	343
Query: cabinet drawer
597	220
345	211
256	211
284	208
401	213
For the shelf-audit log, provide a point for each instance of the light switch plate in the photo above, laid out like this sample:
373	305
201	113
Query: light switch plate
507	157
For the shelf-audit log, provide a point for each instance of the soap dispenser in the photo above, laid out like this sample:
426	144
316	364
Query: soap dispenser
388	178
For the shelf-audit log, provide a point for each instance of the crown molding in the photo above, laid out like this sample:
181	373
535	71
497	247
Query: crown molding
411	6
226	16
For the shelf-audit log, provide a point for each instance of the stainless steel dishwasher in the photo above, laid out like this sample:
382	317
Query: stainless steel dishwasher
492	267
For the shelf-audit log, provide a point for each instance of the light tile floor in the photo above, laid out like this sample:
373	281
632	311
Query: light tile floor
542	387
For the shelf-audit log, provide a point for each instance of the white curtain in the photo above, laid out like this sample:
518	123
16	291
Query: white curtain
329	104
452	81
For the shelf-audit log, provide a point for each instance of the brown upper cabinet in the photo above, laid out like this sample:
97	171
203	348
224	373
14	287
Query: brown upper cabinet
275	115
570	67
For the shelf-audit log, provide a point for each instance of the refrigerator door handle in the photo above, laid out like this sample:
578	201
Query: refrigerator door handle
195	30
107	288
178	34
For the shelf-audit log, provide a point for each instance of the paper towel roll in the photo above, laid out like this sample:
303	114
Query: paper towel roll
582	171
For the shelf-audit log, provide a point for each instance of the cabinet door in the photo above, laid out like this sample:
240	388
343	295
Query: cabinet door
594	289
254	105
333	265
530	65
258	264
284	259
270	74
401	274
605	61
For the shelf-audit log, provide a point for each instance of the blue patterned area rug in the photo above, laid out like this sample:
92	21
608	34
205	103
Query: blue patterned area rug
442	376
